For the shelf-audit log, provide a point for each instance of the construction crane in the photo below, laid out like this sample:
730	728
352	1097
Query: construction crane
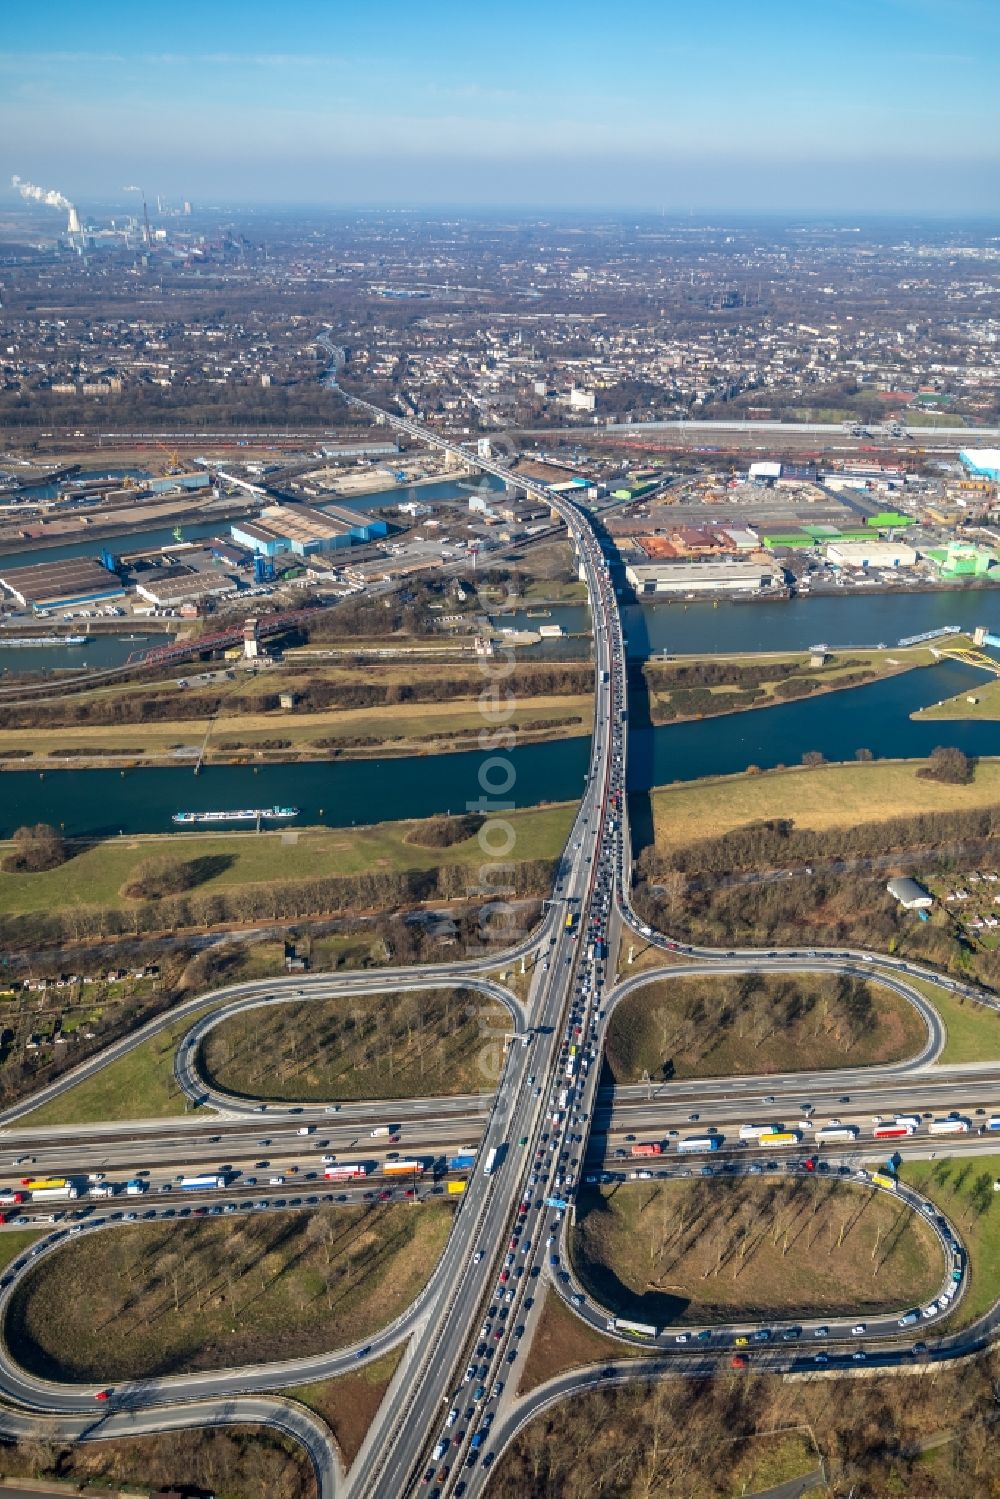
173	457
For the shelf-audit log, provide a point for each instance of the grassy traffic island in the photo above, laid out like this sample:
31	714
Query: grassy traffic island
395	1045
732	1024
750	1249
962	1187
170	1298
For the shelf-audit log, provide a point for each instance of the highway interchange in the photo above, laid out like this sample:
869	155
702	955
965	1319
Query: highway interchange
454	1390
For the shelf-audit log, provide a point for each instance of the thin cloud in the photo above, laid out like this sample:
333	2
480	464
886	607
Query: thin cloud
23	60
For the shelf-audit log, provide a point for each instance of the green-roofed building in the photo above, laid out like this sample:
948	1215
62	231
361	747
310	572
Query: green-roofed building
793	540
888	520
961	559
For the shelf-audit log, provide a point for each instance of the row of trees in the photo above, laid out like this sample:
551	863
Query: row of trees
276	900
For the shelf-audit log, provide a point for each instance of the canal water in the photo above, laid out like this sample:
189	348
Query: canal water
839	621
102	651
874	717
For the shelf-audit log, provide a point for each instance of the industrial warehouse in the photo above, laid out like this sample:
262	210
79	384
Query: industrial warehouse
303	530
61	585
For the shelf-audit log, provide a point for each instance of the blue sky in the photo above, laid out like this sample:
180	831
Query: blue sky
816	105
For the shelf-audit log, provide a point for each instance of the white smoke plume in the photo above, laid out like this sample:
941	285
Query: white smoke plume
49	196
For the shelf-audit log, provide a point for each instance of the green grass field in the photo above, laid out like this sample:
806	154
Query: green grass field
348	1404
827	796
985	704
139	1085
963	1189
12	1241
973	1030
96	874
220	1293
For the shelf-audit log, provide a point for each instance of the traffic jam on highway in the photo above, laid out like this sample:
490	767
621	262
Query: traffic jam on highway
768	1136
560	1143
415	1178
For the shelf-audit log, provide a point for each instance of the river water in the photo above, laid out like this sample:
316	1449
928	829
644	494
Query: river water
875	717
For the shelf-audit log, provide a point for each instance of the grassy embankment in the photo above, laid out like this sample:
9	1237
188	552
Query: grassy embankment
395	1045
95	875
139	1085
167	1298
818	798
703	1252
697	687
752	1023
963	1189
404	728
981	701
973	1030
349	1403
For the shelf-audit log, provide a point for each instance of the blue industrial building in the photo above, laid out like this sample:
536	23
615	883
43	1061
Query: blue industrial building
302	530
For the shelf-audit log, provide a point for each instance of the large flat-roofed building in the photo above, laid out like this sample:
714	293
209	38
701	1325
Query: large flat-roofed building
859	555
61	585
169	588
699	577
305	529
374	447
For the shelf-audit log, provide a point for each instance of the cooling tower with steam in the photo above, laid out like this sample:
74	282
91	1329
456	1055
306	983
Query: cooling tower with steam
49	196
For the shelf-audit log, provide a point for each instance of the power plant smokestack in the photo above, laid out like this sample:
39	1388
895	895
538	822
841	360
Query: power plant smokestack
51	197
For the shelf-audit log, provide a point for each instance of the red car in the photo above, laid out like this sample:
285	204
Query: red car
103	1395
739	1361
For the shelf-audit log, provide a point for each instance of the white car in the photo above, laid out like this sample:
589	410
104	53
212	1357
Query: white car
681	1337
277	1181
477	1257
858	1329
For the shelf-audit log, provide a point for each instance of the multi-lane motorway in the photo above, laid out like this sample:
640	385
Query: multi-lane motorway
548	1121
